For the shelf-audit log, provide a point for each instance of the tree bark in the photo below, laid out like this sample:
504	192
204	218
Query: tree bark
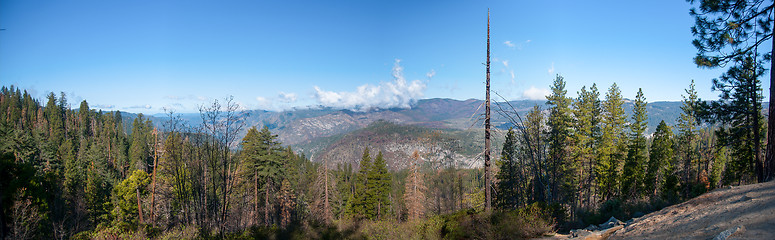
487	192
153	181
255	197
139	207
769	164
266	204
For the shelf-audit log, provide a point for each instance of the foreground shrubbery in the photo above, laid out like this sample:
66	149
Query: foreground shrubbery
465	224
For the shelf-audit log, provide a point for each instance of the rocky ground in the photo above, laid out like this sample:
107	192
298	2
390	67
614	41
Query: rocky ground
742	212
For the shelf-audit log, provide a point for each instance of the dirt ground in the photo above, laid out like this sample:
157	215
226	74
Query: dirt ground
747	212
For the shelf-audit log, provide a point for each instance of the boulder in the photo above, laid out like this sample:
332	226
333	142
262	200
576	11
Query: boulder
612	222
729	232
591	227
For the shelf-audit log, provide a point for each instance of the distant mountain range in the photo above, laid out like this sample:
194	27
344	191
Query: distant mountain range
338	136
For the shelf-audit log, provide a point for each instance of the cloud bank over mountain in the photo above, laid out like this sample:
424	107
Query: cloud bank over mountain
395	94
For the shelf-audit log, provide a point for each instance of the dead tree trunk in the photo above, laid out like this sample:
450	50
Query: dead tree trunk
153	181
487	192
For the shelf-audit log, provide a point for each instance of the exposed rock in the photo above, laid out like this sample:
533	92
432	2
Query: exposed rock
612	222
591	227
579	233
729	232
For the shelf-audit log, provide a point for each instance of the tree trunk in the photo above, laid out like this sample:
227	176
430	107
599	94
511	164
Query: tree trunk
769	163
255	197
139	207
153	177
266	204
487	192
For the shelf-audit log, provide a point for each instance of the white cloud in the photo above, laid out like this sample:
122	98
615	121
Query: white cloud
147	106
512	75
287	97
395	94
173	97
509	43
431	74
104	106
505	63
551	69
534	93
528	41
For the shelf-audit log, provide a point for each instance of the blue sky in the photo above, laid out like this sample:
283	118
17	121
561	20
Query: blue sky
143	56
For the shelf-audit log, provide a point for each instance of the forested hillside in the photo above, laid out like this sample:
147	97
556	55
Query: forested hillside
79	173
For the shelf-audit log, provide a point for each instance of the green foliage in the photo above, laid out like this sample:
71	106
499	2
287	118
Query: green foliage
523	223
377	188
373	184
125	212
633	173
361	202
613	142
726	29
261	154
739	109
562	181
508	176
661	159
587	111
139	151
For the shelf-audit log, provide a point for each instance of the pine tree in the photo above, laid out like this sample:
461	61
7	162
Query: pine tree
586	135
378	188
660	164
139	152
635	165
729	30
414	193
561	165
613	143
687	123
261	158
361	200
739	108
509	192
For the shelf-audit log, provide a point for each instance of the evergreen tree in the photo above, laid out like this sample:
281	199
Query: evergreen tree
586	135
561	166
361	200
687	123
53	115
729	30
261	158
127	207
739	108
635	165
509	192
660	164
613	143
378	188
139	152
